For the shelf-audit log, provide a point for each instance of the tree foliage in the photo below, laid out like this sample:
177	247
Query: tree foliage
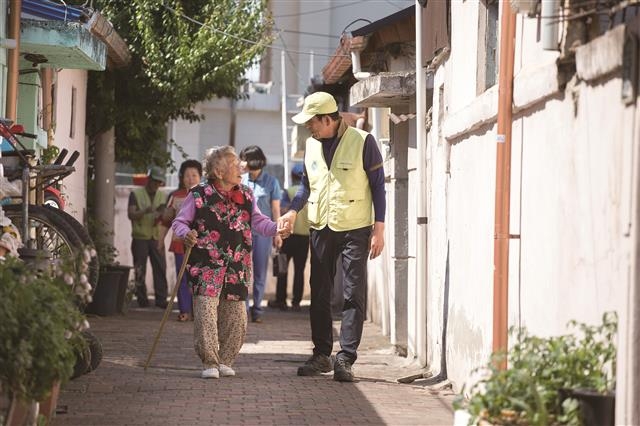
175	64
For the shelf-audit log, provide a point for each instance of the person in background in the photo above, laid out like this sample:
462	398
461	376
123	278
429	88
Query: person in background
218	219
296	247
266	190
146	206
343	187
189	175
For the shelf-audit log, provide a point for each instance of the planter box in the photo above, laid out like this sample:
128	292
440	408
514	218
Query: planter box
596	409
105	297
122	286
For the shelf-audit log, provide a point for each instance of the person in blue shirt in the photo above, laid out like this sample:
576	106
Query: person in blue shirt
267	192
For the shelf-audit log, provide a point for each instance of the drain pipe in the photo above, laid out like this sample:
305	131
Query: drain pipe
503	182
13	61
356	67
421	202
549	24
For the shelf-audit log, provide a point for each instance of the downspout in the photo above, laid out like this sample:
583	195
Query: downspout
356	67
503	182
549	24
421	202
13	60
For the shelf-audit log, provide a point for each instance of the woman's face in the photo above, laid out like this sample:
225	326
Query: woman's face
232	174
191	177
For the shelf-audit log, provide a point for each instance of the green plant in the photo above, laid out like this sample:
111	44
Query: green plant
49	154
535	388
39	327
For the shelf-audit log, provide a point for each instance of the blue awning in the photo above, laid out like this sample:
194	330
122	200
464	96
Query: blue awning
52	11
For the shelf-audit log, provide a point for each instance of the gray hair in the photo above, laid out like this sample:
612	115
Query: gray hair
215	160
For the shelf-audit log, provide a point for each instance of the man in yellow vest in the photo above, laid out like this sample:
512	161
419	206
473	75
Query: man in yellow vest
145	212
343	189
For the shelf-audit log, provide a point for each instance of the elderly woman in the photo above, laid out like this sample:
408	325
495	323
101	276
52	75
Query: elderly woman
216	219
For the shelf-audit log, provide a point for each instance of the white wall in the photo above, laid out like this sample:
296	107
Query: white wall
571	182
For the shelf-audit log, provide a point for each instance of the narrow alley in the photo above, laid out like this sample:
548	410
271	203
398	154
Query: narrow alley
266	390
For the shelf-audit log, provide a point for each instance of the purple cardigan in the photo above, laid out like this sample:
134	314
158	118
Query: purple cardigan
181	224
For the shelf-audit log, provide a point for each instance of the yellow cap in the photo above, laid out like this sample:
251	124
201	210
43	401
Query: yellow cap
314	104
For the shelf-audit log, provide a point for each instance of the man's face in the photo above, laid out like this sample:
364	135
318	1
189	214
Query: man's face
153	184
320	127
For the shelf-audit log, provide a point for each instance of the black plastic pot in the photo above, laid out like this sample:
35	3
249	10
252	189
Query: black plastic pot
596	409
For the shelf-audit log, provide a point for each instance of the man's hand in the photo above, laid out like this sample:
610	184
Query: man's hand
377	240
285	223
191	238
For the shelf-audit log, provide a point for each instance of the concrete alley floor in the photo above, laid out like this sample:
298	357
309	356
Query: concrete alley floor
266	390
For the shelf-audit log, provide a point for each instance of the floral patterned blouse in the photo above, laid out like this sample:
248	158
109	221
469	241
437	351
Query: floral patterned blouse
220	262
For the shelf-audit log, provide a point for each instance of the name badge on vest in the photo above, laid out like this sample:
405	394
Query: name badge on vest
345	164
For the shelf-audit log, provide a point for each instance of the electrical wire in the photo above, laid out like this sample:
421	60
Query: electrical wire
201	24
307	33
309	12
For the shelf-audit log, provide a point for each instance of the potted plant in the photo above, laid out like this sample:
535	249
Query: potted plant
40	326
546	377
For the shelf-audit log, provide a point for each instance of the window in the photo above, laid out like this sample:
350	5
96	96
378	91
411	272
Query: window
487	67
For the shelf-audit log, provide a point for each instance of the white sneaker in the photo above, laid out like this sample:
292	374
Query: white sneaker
210	373
226	371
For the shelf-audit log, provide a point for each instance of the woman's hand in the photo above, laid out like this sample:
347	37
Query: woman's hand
191	238
277	241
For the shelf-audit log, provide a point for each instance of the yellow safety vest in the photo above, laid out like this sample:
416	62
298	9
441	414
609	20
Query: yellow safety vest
146	228
340	196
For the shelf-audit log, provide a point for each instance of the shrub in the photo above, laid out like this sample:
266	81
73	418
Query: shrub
535	388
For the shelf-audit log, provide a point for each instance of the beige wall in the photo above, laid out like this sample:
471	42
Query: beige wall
74	186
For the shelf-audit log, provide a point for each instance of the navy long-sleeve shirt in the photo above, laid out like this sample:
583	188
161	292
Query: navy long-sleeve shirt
372	164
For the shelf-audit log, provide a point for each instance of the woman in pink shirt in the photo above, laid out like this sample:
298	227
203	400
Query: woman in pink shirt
189	175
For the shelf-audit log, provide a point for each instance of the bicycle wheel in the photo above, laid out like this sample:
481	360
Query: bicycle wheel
48	231
94	265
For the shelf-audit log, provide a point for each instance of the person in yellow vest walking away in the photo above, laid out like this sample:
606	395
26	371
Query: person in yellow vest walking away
343	189
146	206
296	247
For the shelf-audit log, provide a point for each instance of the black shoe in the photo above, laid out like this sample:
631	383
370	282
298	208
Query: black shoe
342	371
277	305
295	307
162	304
315	365
143	302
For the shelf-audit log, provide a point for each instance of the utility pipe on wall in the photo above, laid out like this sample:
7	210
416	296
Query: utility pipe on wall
13	61
549	23
421	202
503	182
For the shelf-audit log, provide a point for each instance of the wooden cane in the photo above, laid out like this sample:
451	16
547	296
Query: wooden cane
167	311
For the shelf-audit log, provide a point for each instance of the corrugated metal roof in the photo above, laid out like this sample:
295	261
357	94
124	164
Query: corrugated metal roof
52	11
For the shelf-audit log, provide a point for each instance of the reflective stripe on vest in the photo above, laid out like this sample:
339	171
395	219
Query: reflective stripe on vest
341	196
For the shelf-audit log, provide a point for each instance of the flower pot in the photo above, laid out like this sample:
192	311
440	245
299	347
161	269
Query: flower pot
105	297
48	405
596	409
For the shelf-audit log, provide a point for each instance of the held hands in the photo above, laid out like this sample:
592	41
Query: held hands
191	238
285	223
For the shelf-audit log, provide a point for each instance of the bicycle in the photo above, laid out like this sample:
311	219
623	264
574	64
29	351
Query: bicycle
43	228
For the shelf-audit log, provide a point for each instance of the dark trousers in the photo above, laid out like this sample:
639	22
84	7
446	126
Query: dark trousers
296	247
143	250
326	246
